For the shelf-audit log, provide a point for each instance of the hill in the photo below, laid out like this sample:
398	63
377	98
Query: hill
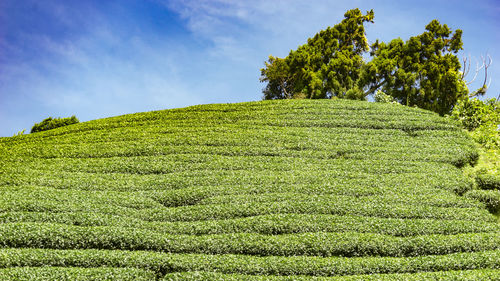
334	189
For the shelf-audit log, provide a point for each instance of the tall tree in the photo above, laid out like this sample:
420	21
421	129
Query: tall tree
328	65
423	71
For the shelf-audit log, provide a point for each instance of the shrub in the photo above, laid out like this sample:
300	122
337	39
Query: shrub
491	198
488	135
488	181
52	123
382	97
475	113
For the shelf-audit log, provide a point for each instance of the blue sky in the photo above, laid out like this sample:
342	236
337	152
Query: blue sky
96	59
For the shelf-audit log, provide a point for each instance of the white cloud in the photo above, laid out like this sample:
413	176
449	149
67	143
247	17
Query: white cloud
254	28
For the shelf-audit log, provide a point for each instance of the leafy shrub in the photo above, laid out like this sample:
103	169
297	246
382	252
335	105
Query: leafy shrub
52	123
475	113
488	135
382	97
478	274
20	133
163	263
488	181
491	198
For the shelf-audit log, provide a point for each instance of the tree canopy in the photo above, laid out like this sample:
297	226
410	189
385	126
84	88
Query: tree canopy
328	65
423	71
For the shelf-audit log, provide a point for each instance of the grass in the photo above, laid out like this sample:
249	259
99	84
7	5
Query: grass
271	190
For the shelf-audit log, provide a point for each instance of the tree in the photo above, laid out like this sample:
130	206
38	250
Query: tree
328	65
424	71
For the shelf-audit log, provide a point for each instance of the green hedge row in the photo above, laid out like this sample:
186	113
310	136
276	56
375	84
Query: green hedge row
230	211
266	224
443	199
464	275
349	244
308	181
375	209
163	263
74	274
175	163
27	198
457	155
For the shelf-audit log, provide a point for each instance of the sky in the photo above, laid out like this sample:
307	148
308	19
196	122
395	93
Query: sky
96	59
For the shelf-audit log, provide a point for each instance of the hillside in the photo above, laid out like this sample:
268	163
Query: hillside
258	191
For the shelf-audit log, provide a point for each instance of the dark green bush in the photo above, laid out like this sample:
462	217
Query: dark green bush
52	123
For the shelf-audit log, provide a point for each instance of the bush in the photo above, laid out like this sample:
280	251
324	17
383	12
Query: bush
475	113
52	123
488	181
488	135
491	198
383	97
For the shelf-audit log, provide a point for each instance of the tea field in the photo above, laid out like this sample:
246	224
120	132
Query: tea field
269	190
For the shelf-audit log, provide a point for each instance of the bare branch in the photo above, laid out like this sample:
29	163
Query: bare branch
466	63
486	62
478	68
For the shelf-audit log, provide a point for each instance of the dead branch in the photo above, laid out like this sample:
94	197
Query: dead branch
486	62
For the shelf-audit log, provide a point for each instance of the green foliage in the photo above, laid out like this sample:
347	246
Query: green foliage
482	119
488	181
424	71
474	113
464	275
488	135
163	263
52	123
346	244
20	133
269	190
270	224
327	66
380	96
74	274
491	198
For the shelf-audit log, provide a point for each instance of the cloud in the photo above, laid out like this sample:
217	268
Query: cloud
262	26
101	70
